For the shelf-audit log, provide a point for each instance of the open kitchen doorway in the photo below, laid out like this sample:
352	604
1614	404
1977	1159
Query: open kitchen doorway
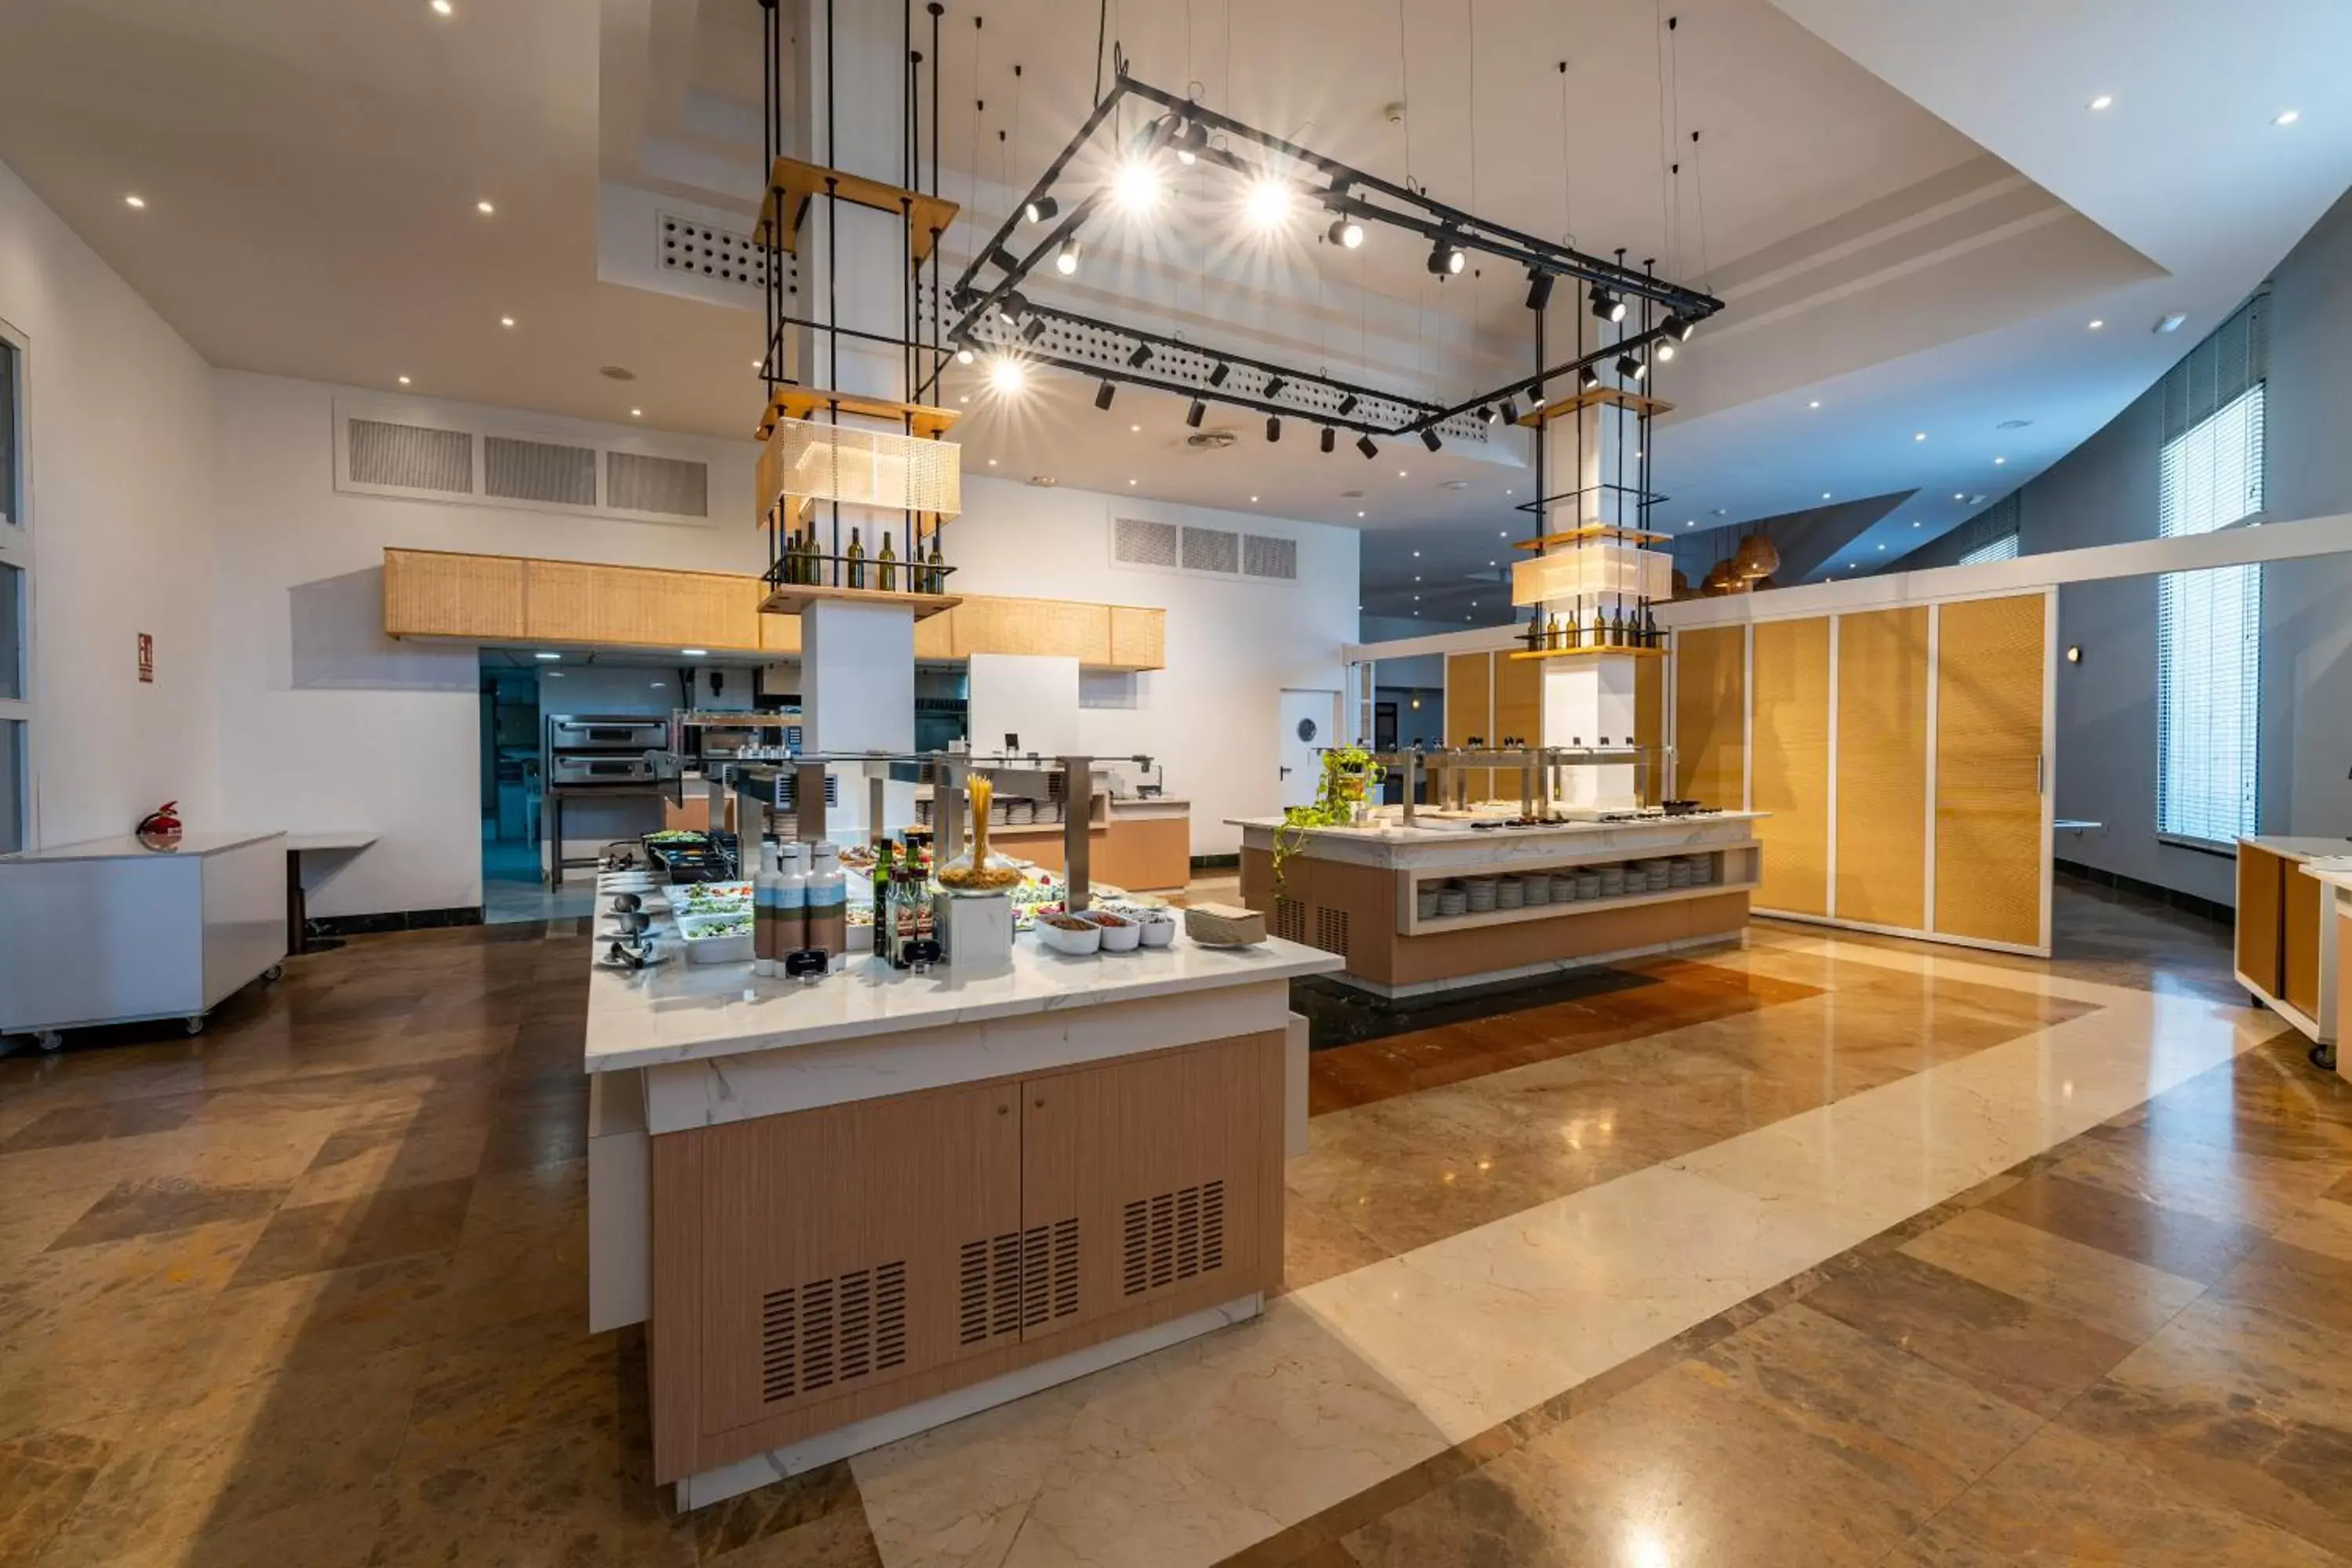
513	880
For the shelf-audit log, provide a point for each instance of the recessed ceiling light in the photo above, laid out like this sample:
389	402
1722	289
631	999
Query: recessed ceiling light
1882	547
991	462
484	208
547	656
1416	555
2287	116
636	413
695	652
1360	514
1816	403
616	373
1915	525
2012	424
2103	101
1999	461
657	685
1131	481
1136	429
1825	495
1253	500
1918	435
506	321
443	7
1957	495
403	381
2096	325
1401	474
134	200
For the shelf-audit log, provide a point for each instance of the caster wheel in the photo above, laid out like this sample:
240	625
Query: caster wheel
193	1023
275	972
50	1040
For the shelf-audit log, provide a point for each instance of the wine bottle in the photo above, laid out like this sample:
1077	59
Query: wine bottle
937	574
1649	627
889	562
880	875
1568	637
856	561
791	562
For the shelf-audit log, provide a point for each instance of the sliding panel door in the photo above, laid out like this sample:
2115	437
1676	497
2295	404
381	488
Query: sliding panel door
1470	708
1711	716
1882	768
1519	712
1650	724
1788	775
1993	869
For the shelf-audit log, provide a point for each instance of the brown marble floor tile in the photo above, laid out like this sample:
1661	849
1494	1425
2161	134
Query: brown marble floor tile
724	1530
506	1380
2063	1497
2125	1299
321	1237
569	1495
2178	1243
2292	1282
837	1540
355	1162
2029	1355
142	1205
107	1119
2323	1226
316	1321
2219	1181
42	1478
338	1532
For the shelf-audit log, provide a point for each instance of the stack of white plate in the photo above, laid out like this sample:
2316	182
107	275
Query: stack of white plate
1425	898
1478	894
1588	883
1612	880
1658	873
1510	893
1702	869
1021	812
1563	887
1535	888
1452	901
1679	871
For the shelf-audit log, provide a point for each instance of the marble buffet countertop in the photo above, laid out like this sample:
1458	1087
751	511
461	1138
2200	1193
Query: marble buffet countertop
1457	844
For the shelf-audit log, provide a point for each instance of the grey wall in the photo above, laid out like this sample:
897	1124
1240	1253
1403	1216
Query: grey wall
2106	492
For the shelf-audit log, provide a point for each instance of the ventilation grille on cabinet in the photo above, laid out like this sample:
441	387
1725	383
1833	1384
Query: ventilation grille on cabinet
1331	929
1266	556
515	469
1017	1280
671	486
1138	541
709	251
1289	920
411	457
1171	1236
1211	549
831	1331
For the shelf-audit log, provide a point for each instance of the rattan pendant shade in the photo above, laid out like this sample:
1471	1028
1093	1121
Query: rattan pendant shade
1755	557
813	461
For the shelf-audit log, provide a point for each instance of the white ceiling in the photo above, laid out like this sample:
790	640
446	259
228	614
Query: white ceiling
1908	210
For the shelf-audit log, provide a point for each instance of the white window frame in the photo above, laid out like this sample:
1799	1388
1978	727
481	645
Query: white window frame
16	550
2249	717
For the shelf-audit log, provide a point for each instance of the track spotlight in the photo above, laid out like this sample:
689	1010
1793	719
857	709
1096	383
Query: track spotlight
1429	438
1364	444
1273	427
1190	143
1043	208
1194	415
1007	374
1347	403
1217	376
963	354
1002	259
1034	329
1135	186
1510	412
1680	330
1274	385
1104	393
1487	414
1631	367
1664	349
1538	290
1607	307
1066	258
1013	306
1331	438
1588	377
1536	394
1267	204
1140	355
1445	258
1345	232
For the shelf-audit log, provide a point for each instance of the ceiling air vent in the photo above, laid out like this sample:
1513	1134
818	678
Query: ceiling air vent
669	487
1262	555
411	456
1211	440
711	252
515	469
1138	541
1211	549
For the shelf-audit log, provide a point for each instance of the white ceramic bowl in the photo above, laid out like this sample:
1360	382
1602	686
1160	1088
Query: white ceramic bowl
1155	928
1124	936
1078	943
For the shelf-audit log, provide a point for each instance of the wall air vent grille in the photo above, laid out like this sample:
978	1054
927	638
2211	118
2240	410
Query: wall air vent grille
411	456
1262	555
1171	1236
1211	549
709	251
1331	929
515	469
1289	920
1022	1279
832	1332
671	486
1139	541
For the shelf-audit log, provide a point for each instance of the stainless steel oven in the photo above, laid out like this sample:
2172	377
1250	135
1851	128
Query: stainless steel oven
599	768
589	756
578	733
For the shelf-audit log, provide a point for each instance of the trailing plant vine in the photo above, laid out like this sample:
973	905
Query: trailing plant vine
1349	774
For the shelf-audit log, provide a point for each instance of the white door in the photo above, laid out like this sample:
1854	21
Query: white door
1309	723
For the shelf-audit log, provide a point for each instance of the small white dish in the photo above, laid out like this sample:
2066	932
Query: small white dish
1124	936
1076	943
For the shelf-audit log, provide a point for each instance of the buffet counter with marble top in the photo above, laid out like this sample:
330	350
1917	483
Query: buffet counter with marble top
1450	901
853	1209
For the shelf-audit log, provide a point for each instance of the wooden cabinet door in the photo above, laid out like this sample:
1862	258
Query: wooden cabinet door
1992	858
1710	716
1882	768
845	1247
1144	1183
2301	929
1788	776
2259	912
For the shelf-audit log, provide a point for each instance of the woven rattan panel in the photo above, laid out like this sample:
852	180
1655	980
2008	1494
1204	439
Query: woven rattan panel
1991	667
1882	768
1791	772
1710	709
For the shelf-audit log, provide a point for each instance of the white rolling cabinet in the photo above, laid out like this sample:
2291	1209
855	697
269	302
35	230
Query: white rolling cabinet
110	932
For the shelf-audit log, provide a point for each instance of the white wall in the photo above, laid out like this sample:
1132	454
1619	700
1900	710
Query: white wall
120	465
1212	716
326	722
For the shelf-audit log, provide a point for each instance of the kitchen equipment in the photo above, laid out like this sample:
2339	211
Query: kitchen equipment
588	756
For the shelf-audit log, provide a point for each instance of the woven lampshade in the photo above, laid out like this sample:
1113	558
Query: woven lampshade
811	461
1755	557
1720	579
1681	585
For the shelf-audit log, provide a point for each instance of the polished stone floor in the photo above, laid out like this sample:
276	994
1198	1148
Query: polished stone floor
1831	1249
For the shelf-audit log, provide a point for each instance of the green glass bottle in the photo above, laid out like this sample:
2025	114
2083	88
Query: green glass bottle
937	574
792	562
889	563
856	561
1569	640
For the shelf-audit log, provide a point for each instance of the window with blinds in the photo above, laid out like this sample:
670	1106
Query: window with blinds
2001	547
2209	624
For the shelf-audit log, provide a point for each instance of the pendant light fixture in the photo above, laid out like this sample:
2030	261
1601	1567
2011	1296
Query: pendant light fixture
1104	393
1445	258
1364	444
1588	377
1331	439
1607	306
1194	415
1273	427
1431	439
1538	290
1633	367
1346	233
1065	257
1042	209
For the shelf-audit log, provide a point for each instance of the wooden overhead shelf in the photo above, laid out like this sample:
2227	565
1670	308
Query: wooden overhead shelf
799	183
793	597
920	419
1596	531
1588	652
1591	397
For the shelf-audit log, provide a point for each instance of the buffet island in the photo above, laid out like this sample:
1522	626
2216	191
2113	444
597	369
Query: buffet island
1418	899
875	1190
